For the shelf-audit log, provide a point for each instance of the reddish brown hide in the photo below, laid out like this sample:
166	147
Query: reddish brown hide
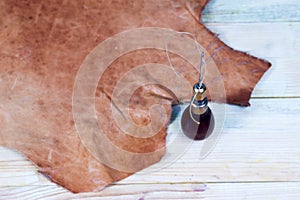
42	45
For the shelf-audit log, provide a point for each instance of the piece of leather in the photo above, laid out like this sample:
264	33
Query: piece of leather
42	45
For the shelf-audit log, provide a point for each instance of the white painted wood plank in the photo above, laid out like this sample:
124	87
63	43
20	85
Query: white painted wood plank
222	191
258	143
15	169
277	42
232	11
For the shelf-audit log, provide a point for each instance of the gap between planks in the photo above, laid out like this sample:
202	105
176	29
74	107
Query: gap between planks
276	190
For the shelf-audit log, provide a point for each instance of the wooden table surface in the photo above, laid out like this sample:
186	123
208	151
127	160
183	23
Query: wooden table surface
258	153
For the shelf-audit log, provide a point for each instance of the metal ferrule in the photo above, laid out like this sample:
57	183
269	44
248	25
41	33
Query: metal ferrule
199	101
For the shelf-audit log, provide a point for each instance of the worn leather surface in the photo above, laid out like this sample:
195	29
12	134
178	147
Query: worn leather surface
42	45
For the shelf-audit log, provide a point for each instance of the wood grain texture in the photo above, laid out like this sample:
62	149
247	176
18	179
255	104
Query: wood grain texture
258	154
235	11
219	191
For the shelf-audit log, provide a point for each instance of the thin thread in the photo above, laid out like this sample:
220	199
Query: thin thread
191	114
198	49
201	66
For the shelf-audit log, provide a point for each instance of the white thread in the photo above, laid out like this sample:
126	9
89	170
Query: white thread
198	49
202	66
191	114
